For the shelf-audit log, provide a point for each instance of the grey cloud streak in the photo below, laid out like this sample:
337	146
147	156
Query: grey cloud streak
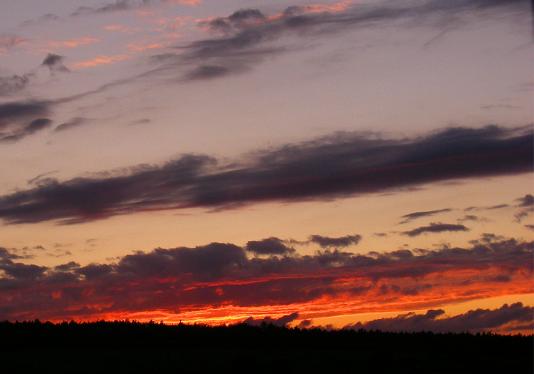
247	35
337	166
436	228
269	246
415	215
335	242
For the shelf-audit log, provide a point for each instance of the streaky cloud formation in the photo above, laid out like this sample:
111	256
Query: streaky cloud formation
246	33
435	228
508	318
9	41
526	201
219	280
331	167
281	321
415	215
13	84
72	123
19	119
526	205
335	242
269	246
124	5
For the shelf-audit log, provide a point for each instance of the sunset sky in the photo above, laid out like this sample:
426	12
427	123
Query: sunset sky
331	163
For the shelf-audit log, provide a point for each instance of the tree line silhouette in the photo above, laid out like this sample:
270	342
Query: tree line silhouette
134	347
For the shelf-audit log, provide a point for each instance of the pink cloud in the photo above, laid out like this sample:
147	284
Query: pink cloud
118	28
8	42
100	60
139	47
72	43
185	2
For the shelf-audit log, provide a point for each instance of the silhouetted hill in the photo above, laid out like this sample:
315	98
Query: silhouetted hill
130	347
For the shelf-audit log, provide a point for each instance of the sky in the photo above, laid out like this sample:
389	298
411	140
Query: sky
344	164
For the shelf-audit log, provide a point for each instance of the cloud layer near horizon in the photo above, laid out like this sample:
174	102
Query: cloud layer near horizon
219	280
512	318
331	167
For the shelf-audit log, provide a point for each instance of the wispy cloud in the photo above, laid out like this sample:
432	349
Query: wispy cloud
100	60
436	228
246	37
335	242
19	119
125	5
415	215
72	43
336	166
9	41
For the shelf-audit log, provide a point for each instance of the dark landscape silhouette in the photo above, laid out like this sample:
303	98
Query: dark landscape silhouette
131	347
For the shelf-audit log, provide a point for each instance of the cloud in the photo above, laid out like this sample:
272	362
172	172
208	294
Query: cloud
478	320
339	242
72	43
269	246
55	63
336	166
100	60
7	255
246	37
141	121
487	237
72	123
281	321
526	203
415	215
49	17
19	119
219	280
237	21
500	106
493	207
18	270
202	263
118	5
9	41
472	218
208	72
125	5
13	84
435	228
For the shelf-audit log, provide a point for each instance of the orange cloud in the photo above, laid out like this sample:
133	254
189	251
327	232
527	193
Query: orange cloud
100	60
340	6
136	47
118	28
8	42
185	2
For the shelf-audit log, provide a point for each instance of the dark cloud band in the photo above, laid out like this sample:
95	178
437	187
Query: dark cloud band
332	167
219	274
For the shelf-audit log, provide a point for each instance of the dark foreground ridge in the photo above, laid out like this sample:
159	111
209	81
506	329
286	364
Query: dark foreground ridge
131	347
